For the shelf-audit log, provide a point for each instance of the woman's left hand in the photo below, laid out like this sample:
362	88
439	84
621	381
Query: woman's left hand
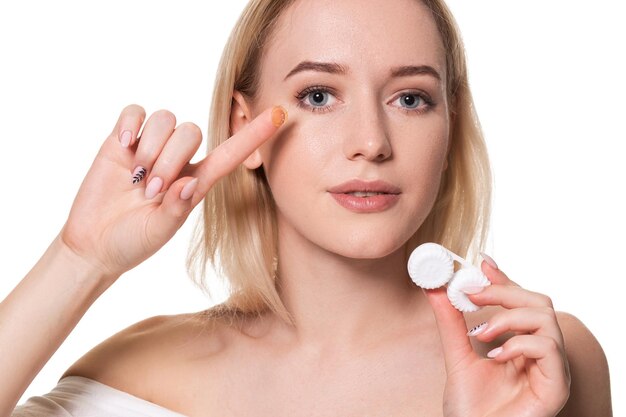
528	377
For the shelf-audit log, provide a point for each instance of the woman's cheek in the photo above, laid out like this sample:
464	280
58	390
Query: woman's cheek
295	161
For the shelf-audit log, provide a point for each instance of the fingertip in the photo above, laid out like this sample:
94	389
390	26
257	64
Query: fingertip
279	116
128	124
125	138
187	192
173	205
489	260
495	352
495	276
437	297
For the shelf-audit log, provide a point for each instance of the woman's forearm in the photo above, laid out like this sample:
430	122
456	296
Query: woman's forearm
39	314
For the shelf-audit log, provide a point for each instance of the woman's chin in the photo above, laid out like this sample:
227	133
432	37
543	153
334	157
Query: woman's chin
367	249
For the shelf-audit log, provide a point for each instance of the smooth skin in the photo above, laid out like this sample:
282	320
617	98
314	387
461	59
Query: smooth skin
366	344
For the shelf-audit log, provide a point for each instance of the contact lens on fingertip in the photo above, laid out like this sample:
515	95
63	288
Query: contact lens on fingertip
279	116
432	266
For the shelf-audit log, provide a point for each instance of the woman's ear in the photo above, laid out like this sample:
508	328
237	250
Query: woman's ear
240	116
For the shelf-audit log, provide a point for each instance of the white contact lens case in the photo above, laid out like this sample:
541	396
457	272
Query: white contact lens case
432	266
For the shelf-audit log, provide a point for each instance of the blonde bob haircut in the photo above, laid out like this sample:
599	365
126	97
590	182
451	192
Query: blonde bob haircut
237	232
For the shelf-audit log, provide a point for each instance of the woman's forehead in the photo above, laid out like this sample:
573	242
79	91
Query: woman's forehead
371	35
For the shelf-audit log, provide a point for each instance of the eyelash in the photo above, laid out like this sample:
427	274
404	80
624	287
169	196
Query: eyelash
323	89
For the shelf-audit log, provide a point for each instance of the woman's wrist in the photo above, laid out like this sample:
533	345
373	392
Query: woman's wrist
79	267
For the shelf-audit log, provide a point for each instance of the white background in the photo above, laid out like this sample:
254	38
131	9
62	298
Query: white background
548	81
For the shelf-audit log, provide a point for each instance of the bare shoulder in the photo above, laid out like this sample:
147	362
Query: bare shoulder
590	393
153	358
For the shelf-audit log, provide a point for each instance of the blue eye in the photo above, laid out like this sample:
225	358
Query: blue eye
410	101
414	102
316	98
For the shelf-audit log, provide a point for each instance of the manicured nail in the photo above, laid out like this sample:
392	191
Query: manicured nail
489	260
188	189
476	330
139	173
125	138
153	188
472	290
495	352
279	116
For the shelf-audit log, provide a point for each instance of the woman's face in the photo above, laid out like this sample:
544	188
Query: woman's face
364	85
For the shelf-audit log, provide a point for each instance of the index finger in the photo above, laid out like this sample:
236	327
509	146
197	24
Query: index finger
228	155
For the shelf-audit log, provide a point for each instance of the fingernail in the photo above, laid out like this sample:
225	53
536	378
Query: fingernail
476	330
279	116
472	290
188	189
489	260
153	188
495	352
125	138
139	173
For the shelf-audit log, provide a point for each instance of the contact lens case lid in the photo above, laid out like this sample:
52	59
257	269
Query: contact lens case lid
464	278
430	266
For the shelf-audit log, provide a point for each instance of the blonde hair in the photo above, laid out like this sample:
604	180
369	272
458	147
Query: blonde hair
237	232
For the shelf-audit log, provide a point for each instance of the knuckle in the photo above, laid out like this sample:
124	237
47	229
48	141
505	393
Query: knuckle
178	211
546	300
166	167
165	163
176	207
165	116
190	129
549	312
548	316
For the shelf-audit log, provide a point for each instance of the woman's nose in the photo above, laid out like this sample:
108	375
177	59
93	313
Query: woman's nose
367	136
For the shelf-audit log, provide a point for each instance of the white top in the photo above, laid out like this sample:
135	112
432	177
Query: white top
77	396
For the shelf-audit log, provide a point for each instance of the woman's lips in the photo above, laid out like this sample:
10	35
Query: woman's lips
388	195
370	204
358	184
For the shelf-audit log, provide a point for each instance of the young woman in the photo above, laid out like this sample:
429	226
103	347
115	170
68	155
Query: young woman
318	106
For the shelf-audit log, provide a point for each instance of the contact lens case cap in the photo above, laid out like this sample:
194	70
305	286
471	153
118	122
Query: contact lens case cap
432	266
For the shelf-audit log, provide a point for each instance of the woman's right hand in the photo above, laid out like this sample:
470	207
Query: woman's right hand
112	224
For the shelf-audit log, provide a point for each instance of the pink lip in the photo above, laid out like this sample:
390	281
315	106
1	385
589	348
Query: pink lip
360	185
366	204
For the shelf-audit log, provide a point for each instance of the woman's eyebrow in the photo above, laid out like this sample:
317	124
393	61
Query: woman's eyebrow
329	67
409	70
335	68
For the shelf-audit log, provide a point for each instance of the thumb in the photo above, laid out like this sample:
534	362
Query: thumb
452	328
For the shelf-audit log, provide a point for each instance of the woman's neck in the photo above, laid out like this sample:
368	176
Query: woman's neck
342	303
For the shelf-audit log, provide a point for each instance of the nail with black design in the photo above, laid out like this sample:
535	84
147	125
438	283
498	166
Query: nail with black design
139	174
478	329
